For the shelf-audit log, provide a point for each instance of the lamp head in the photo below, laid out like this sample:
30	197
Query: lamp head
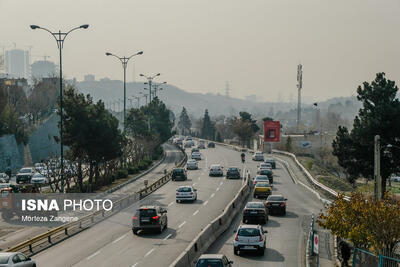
158	74
108	54
140	53
84	26
141	75
34	27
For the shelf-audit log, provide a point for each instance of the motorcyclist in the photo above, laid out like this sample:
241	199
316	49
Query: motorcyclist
243	156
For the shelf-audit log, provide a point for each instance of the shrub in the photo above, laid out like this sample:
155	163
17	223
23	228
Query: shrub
122	173
142	165
132	169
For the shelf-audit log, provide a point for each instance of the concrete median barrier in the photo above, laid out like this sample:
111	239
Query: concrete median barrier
213	230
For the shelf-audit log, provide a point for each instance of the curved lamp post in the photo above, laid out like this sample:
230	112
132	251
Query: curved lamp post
60	38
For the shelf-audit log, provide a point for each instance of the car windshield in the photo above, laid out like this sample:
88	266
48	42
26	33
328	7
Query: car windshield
148	212
248	232
4	185
232	169
209	263
178	171
192	161
3	259
275	198
215	167
261	178
37	175
185	189
253	205
262	185
25	170
264	171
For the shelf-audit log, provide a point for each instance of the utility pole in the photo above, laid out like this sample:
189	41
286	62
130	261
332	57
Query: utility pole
299	86
377	168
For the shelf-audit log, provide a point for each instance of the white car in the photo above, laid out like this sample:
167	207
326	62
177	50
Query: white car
186	192
196	155
192	164
39	178
9	259
216	170
250	238
258	156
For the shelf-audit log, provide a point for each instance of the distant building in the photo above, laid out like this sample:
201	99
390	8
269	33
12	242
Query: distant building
17	63
43	69
89	78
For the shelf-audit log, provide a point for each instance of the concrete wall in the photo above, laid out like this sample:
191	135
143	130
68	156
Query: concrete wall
11	155
41	143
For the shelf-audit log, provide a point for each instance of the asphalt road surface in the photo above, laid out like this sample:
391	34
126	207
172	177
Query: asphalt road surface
18	233
286	235
112	243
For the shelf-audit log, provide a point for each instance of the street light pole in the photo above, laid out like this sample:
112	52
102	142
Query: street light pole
150	81
124	60
60	38
377	168
156	88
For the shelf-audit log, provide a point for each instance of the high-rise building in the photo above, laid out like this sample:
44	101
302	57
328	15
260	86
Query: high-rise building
89	78
43	69
17	63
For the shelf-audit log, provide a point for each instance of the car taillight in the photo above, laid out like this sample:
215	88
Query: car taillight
261	238
156	217
255	182
236	237
177	193
283	204
191	193
267	203
134	218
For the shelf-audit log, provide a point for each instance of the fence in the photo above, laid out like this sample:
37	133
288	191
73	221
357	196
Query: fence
363	258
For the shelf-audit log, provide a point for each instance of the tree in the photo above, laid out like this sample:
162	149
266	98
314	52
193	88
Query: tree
10	123
245	127
379	115
219	138
91	134
160	122
267	119
184	122
43	98
368	223
208	128
288	145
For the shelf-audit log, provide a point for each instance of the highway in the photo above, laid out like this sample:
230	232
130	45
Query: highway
286	235
111	242
17	234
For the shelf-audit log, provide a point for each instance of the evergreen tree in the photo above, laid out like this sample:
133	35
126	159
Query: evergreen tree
208	127
184	122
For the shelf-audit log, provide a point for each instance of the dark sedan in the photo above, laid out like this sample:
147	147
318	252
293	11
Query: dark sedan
276	203
179	174
269	174
233	172
271	161
255	211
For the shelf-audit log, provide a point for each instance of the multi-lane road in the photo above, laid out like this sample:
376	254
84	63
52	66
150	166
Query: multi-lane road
111	242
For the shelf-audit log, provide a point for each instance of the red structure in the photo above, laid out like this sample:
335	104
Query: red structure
272	131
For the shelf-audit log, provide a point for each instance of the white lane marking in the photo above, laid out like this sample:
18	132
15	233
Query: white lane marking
168	236
194	184
194	213
212	195
199	178
205	203
170	204
148	253
221	183
93	255
135	264
218	189
119	238
182	224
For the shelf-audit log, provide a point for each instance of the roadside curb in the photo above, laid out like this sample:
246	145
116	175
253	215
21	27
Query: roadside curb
133	179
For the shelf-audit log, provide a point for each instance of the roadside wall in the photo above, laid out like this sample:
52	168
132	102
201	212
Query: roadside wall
10	153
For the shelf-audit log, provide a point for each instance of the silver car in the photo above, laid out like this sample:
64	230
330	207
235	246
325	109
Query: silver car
9	259
192	164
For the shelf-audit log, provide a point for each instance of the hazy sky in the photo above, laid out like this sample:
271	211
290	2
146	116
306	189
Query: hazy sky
199	45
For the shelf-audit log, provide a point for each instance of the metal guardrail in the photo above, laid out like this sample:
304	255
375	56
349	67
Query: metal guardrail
79	225
309	176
